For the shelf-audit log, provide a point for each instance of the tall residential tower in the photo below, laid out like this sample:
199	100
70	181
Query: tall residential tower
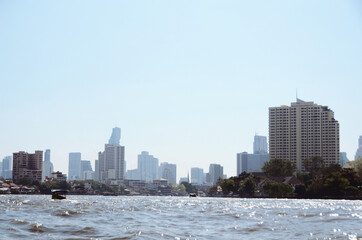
303	131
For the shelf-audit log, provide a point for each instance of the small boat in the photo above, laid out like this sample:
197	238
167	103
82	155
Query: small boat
192	195
59	194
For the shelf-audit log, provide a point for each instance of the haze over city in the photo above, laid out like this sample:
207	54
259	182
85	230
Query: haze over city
189	82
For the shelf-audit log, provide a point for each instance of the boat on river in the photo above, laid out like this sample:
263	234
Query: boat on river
59	194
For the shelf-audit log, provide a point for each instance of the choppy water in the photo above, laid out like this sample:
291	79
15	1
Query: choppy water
99	217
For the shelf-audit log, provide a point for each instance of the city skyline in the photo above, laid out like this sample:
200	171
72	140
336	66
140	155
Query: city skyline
190	82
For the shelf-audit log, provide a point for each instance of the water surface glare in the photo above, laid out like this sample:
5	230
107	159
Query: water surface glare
100	217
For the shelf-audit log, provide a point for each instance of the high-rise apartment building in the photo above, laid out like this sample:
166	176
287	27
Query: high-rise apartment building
303	131
111	164
168	171
115	137
26	165
48	168
260	145
147	167
216	171
7	172
197	176
359	149
74	166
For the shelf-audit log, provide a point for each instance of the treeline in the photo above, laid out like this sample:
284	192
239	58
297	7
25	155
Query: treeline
319	181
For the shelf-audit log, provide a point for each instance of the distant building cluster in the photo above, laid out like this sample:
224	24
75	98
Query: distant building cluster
297	133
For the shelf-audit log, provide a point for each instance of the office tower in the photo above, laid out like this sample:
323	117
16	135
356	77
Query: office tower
303	131
96	170
216	171
168	171
74	166
115	137
246	162
85	169
1	169
26	165
147	166
197	176
47	165
260	145
7	172
343	158
111	164
359	149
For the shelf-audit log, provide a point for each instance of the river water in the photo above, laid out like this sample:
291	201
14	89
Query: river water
99	217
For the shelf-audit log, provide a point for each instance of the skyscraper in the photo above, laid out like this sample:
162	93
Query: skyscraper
147	167
260	145
302	131
47	165
343	158
74	166
246	162
7	172
115	137
197	176
168	171
359	149
86	170
111	164
216	171
26	165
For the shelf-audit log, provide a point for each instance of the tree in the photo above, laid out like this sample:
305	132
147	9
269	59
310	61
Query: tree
189	187
247	187
278	190
278	168
228	185
314	164
336	185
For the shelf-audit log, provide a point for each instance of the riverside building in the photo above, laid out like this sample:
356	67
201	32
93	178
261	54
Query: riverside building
27	165
303	131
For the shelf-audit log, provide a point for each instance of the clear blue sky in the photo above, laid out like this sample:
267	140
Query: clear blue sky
188	81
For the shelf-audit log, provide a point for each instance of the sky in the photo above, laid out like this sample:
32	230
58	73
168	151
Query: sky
188	81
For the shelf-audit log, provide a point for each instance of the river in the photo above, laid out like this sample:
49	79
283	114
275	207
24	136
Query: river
119	217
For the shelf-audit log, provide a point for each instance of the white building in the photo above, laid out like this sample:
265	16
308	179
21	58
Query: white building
48	168
168	171
303	131
216	171
197	176
147	167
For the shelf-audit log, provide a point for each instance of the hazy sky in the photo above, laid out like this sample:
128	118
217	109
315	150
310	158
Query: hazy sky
188	81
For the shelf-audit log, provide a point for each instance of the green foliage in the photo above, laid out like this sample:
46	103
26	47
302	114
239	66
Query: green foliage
228	185
179	188
278	190
247	187
189	188
300	190
46	187
335	185
314	164
278	168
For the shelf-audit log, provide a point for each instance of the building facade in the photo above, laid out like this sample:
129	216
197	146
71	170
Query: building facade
260	145
27	165
74	166
303	131
115	137
147	167
359	149
111	164
168	171
197	176
216	171
47	165
7	172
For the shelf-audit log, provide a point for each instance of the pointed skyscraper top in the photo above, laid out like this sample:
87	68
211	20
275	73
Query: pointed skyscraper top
115	137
